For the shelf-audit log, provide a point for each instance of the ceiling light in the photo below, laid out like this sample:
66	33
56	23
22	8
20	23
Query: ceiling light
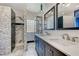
66	4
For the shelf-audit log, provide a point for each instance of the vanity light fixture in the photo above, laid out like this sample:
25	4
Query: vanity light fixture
66	4
41	7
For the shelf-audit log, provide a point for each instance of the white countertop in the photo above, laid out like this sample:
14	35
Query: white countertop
71	50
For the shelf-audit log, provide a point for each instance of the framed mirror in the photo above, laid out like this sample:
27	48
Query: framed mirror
49	19
67	16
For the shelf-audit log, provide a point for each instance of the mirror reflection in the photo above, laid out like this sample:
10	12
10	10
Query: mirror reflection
68	15
49	19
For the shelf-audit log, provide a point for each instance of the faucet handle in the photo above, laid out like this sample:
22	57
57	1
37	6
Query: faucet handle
66	37
74	39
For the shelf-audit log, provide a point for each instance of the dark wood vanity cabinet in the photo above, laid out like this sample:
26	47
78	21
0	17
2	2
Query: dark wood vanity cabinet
45	49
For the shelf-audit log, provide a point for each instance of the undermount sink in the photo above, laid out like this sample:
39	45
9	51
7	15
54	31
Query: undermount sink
66	42
63	42
59	40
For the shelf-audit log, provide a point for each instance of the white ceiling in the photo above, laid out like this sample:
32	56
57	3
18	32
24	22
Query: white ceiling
29	8
21	8
24	6
34	7
16	6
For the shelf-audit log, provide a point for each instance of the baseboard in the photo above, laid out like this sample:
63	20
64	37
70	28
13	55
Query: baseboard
30	41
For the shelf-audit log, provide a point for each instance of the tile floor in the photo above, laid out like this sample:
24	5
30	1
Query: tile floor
19	50
31	50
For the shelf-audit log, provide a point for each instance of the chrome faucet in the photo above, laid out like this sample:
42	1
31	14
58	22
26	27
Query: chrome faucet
66	36
74	39
47	33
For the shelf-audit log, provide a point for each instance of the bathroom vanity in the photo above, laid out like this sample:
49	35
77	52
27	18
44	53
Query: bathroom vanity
51	46
43	48
56	44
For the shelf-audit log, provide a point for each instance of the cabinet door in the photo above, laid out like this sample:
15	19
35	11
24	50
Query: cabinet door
40	51
41	47
58	53
37	44
48	51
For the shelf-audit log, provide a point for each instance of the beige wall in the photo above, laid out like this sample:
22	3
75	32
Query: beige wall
68	21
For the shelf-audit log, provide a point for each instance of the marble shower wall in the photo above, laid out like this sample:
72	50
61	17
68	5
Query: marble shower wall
25	34
19	36
5	30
